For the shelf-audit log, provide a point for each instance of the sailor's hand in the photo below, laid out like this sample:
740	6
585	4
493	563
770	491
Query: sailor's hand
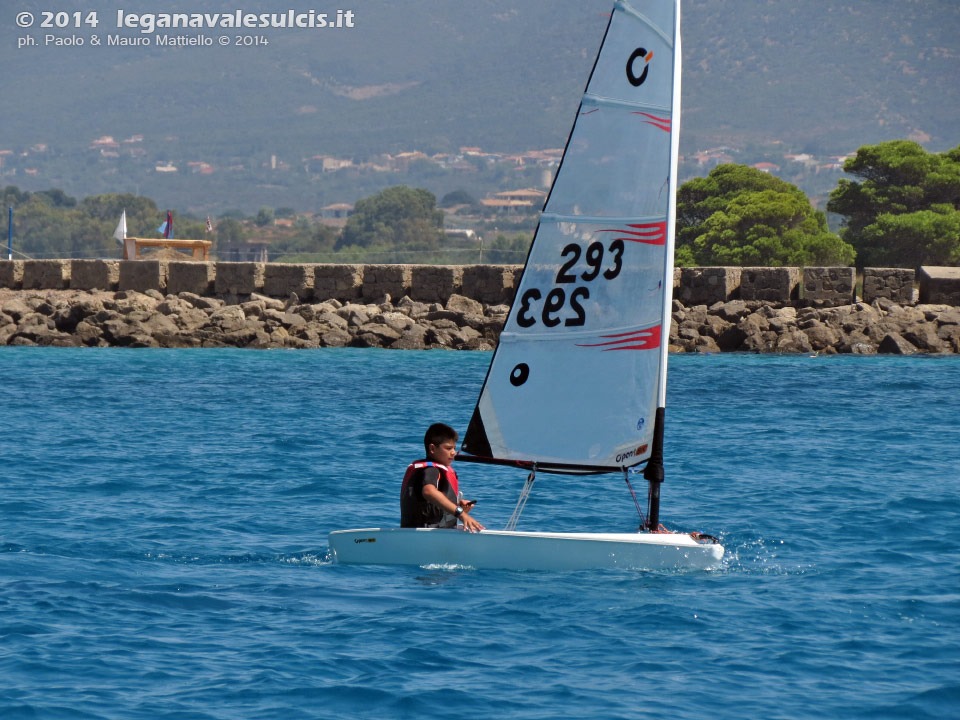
469	524
467	505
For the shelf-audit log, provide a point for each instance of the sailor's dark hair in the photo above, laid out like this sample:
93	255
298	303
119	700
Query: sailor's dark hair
438	433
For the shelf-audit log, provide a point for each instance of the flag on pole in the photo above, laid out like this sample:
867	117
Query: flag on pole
167	228
121	232
209	224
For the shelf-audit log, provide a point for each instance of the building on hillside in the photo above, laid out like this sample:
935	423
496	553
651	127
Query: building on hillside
766	167
252	250
335	215
460	233
529	195
336	211
508	207
326	164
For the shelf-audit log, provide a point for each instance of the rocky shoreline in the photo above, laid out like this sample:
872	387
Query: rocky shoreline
150	319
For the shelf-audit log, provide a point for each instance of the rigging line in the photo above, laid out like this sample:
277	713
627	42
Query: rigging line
522	501
626	479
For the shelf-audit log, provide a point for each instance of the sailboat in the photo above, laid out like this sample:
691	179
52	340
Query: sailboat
577	384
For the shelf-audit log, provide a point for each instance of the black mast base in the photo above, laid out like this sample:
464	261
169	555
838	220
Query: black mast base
654	474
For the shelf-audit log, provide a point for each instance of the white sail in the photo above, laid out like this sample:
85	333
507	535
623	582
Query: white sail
121	232
580	368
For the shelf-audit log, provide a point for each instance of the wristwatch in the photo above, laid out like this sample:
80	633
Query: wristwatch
458	512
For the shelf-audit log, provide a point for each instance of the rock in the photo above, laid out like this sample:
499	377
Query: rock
87	334
355	315
336	338
894	344
90	306
332	320
733	311
820	336
384	334
950	334
35	320
160	324
706	344
793	341
714	327
923	336
67	317
949	316
133	301
16	309
464	305
696	315
411	339
253	308
754	323
395	320
285	319
260	341
863	348
199	301
731	339
268	302
310	313
21	340
7	332
228	318
367	340
464	336
764	341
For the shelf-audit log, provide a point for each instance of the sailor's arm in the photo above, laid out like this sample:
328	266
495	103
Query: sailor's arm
433	494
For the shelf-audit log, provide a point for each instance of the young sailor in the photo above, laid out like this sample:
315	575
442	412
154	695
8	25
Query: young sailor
429	496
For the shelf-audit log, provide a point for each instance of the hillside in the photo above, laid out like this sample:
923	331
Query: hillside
821	77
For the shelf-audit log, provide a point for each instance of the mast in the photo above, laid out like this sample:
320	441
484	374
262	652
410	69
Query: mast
653	472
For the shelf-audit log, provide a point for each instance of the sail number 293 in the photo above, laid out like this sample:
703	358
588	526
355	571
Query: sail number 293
560	306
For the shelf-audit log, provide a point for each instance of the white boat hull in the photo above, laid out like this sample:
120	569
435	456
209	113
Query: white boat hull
503	550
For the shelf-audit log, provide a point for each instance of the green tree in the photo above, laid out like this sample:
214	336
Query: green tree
507	250
738	215
457	197
143	215
229	231
397	216
264	217
905	208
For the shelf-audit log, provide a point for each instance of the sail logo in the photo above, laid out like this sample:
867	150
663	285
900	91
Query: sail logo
632	77
633	453
647	233
648	339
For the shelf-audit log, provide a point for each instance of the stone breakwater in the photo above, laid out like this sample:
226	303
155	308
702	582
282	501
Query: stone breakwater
860	328
129	318
132	319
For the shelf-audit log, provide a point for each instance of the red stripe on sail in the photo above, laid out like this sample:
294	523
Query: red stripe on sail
652	233
641	340
664	124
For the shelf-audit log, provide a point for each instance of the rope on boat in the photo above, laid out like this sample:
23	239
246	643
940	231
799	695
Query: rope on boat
522	501
626	479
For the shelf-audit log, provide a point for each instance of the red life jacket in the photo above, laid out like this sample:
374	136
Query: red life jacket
446	472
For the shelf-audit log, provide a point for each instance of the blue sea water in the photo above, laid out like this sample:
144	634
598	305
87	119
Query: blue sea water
163	545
